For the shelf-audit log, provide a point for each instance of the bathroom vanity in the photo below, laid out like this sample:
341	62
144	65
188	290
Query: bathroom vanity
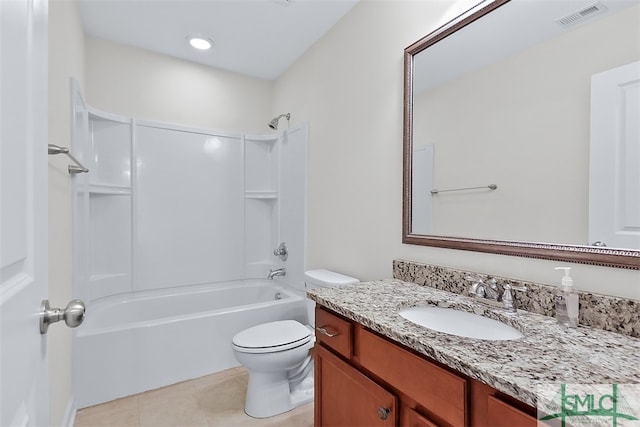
375	368
357	368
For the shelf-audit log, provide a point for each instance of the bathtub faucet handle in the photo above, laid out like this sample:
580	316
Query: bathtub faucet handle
281	251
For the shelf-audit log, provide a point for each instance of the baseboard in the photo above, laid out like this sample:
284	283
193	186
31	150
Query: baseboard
69	414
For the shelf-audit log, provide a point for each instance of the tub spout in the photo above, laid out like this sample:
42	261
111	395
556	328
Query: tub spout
276	272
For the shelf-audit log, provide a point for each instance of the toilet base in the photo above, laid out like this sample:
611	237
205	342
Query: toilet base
303	393
269	394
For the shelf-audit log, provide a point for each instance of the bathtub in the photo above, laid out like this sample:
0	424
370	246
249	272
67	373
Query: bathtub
131	343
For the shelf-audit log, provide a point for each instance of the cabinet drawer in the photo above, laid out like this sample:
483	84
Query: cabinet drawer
437	390
501	414
334	332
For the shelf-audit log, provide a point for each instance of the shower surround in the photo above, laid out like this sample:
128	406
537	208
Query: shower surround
169	207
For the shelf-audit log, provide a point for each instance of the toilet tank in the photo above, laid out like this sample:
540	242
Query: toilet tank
323	279
326	279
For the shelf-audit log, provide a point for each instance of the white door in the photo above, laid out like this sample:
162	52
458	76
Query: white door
24	385
421	186
614	176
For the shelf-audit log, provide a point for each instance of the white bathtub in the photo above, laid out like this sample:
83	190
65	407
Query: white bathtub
136	342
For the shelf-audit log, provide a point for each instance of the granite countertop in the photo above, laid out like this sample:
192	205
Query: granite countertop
547	354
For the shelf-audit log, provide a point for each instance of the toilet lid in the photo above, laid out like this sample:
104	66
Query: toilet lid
272	337
327	279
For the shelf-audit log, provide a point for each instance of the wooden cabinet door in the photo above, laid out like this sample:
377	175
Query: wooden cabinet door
501	414
417	420
346	397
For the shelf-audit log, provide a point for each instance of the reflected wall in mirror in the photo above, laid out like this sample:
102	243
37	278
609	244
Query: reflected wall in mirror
539	99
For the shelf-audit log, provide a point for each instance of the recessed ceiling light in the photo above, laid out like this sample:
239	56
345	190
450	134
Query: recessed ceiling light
200	42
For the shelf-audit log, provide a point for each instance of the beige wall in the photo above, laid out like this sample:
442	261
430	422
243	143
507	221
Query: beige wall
66	59
349	88
134	82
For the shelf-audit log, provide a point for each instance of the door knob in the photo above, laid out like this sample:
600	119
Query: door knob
73	314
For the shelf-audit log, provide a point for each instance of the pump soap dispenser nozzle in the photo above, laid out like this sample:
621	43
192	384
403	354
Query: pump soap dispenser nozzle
566	279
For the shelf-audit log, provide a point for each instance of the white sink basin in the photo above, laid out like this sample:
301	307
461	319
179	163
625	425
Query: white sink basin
460	323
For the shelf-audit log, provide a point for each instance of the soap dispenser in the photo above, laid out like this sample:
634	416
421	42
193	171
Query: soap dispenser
567	300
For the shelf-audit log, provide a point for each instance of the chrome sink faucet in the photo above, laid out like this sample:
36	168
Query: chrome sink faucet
491	289
480	289
507	297
491	293
276	272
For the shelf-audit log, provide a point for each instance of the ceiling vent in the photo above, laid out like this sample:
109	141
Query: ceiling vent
581	15
284	3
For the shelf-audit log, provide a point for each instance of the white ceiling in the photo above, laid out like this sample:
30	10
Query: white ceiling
258	38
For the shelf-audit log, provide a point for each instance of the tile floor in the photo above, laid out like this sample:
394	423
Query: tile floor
213	400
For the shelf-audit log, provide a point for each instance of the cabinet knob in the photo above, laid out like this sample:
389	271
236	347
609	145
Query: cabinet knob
383	413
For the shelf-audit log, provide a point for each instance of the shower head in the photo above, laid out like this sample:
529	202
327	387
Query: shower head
273	124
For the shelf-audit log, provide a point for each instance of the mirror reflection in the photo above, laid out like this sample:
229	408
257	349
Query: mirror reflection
531	115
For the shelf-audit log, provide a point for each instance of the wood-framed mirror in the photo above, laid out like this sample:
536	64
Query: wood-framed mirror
502	150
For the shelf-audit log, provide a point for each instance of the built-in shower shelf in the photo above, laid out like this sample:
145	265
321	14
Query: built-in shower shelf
271	138
108	189
261	194
101	277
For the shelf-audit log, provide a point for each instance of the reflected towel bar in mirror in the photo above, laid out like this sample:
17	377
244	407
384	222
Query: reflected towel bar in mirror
490	187
73	169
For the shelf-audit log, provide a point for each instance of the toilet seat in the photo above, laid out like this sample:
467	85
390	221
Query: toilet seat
272	337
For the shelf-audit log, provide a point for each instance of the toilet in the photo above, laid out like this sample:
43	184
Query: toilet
278	357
